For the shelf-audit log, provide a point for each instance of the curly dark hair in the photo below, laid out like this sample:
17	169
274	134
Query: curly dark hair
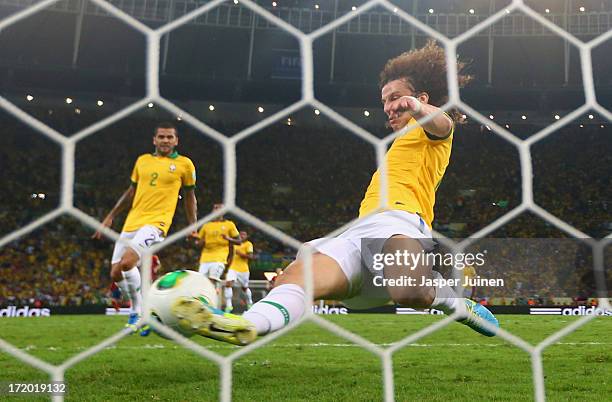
425	70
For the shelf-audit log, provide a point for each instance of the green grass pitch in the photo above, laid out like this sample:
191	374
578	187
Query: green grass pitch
453	364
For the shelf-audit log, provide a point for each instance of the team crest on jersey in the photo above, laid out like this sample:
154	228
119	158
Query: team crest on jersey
172	167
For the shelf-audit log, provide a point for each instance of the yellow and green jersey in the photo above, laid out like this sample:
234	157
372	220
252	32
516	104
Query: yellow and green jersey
216	248
158	180
241	264
416	163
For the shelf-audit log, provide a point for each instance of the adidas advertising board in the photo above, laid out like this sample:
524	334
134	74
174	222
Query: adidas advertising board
26	311
580	310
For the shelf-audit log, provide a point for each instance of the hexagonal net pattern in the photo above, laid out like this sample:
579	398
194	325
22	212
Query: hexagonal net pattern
153	36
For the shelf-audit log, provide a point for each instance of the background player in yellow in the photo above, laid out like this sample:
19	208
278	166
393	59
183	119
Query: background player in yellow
469	273
239	271
217	239
153	194
413	87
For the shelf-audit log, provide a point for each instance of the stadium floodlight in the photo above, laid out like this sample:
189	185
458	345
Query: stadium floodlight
317	6
69	100
366	113
591	117
100	102
29	97
395	10
547	11
317	112
235	1
582	126
288	121
260	109
274	4
211	108
582	9
77	110
42	196
431	11
179	118
471	11
491	117
557	117
601	126
353	8
523	117
507	125
150	105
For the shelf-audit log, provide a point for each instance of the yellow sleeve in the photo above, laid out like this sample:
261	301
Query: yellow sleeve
249	247
189	175
233	232
134	176
202	232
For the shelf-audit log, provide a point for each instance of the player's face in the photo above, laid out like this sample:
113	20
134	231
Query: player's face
217	207
165	140
243	236
390	93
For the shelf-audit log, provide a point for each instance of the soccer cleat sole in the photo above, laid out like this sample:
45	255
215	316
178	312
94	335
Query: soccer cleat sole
195	317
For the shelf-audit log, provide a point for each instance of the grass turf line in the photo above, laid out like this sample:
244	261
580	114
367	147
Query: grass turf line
311	364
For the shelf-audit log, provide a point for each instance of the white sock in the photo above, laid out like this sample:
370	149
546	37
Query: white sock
228	293
249	296
132	278
446	299
281	306
122	284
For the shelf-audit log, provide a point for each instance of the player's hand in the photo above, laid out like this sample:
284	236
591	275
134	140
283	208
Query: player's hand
403	104
226	237
193	236
107	222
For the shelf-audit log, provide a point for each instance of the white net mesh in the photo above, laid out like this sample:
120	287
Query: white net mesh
153	36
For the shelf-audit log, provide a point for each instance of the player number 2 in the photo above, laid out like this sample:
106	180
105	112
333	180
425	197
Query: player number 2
154	177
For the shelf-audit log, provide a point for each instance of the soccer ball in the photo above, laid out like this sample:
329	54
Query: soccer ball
167	289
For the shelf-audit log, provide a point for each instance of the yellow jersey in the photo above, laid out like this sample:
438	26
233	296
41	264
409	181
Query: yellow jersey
468	273
158	180
216	248
241	264
416	163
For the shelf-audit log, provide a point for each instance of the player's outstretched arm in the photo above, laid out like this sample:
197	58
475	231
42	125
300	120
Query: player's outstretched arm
124	202
191	210
233	240
440	126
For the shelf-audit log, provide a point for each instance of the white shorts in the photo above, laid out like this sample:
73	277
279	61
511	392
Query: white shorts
241	277
144	237
212	270
346	249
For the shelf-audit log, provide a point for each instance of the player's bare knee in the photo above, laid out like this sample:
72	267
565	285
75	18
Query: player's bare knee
115	273
293	274
413	296
129	260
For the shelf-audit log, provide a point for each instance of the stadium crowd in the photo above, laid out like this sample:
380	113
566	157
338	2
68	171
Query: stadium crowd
306	180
